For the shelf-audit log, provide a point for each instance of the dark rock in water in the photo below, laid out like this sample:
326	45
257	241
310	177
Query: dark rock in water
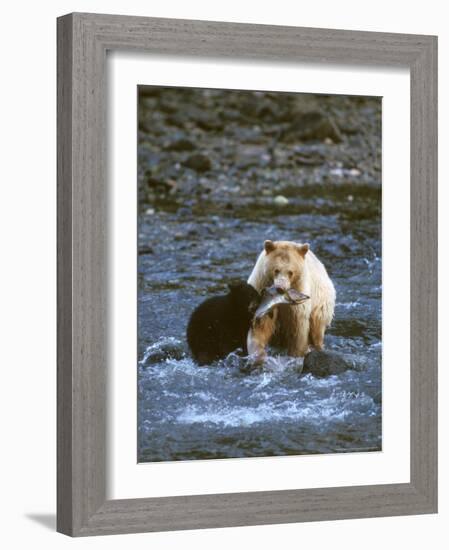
175	119
326	363
170	349
313	125
158	184
168	106
145	249
198	162
180	145
208	121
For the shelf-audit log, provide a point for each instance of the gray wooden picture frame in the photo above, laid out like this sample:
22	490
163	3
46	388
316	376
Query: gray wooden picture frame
83	40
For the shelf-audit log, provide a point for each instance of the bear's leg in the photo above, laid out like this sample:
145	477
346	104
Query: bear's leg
259	336
298	333
299	346
317	335
317	329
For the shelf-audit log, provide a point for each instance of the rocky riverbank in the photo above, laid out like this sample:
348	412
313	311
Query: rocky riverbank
205	150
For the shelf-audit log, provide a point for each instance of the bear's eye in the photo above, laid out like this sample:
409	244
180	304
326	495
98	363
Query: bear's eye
276	271
290	274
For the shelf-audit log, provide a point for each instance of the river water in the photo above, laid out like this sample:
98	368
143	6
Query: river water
188	412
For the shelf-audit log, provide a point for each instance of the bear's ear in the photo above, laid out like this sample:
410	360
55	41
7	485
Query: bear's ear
269	246
303	249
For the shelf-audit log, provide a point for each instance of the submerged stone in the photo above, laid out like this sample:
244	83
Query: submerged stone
169	349
199	163
181	144
326	363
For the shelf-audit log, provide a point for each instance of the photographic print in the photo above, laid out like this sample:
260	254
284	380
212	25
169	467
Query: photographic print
259	274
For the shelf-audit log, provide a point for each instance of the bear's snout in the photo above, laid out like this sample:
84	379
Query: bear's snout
281	284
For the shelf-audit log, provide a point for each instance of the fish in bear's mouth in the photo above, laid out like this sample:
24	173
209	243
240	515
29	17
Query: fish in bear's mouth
273	296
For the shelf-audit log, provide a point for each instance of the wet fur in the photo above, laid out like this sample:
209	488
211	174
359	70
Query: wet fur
220	324
293	328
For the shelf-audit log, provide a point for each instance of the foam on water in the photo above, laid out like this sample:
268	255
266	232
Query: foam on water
182	406
333	409
348	305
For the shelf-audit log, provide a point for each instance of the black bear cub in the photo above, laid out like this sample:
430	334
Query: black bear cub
220	325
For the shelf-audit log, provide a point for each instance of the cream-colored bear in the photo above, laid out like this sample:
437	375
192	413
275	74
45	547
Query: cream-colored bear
287	264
